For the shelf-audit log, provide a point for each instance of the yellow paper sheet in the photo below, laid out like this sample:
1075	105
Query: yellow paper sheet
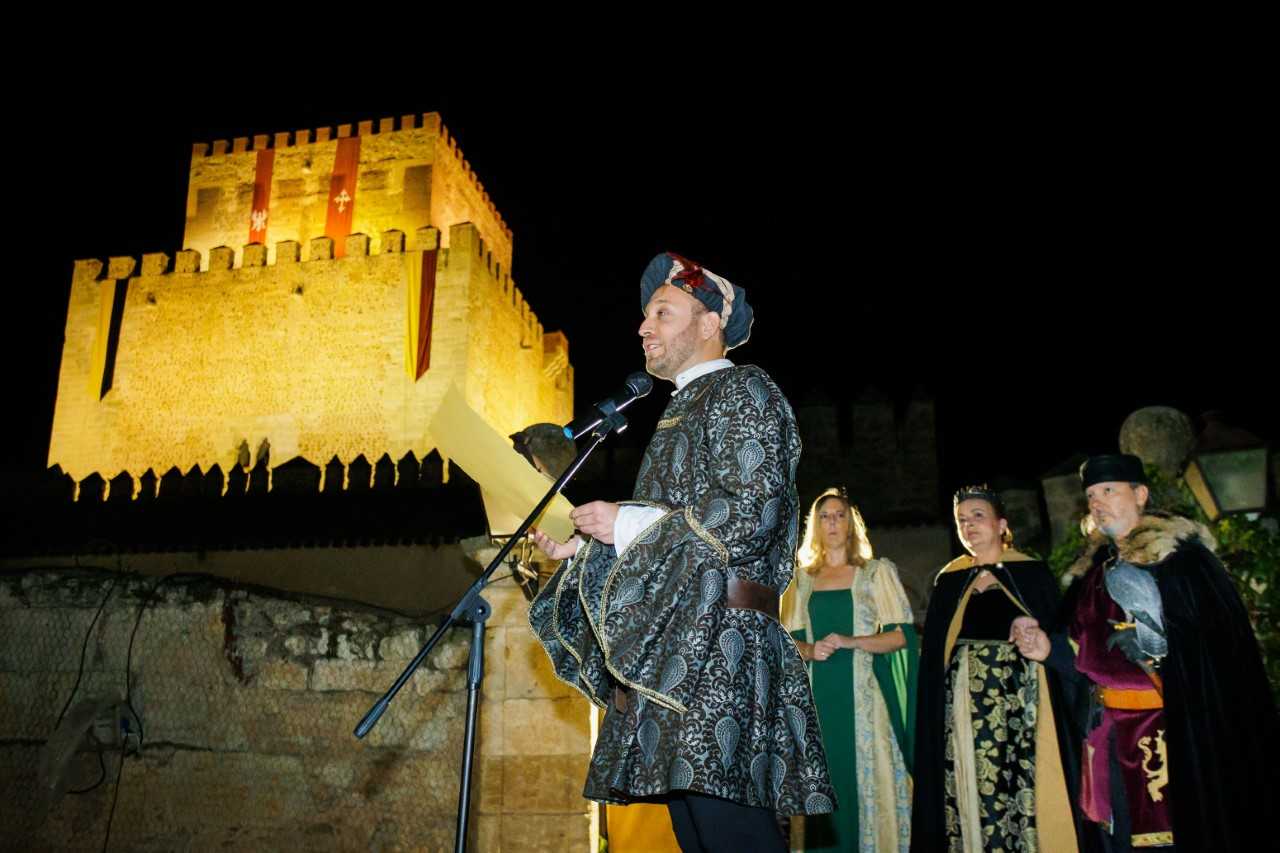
510	485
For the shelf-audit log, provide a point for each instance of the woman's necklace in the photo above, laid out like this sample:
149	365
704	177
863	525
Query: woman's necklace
983	573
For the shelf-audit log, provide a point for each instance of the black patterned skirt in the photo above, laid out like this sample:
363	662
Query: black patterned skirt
990	748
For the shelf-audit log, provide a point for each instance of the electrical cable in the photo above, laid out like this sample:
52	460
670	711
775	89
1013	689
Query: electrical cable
84	648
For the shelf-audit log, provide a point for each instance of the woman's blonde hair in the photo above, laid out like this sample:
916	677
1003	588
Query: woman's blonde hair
813	554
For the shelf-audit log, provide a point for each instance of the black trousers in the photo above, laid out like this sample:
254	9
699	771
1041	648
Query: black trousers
705	824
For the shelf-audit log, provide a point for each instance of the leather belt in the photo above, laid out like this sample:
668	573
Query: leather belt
749	595
741	594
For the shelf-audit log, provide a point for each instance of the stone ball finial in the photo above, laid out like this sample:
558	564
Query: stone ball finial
1160	436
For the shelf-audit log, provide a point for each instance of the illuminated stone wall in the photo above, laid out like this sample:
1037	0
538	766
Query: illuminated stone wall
410	175
309	353
296	341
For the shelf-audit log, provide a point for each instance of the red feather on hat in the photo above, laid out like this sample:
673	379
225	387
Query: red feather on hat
691	276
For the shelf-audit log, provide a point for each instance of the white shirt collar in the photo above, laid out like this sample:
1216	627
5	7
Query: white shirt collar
700	369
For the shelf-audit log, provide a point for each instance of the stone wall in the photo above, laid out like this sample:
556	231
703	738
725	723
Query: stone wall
308	355
247	700
885	455
411	174
918	551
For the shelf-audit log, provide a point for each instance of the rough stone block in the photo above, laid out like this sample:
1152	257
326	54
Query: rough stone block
121	267
546	833
282	675
287	252
403	645
546	726
377	676
221	258
452	652
155	263
255	255
529	674
357	245
495	665
487	833
425	239
490	733
540	784
486	791
510	607
188	260
392	242
87	269
321	249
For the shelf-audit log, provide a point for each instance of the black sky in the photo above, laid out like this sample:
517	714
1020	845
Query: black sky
1039	259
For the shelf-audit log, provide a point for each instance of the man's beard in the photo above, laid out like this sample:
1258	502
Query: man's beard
674	354
1114	526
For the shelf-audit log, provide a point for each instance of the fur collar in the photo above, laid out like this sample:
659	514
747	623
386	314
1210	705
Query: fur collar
1154	539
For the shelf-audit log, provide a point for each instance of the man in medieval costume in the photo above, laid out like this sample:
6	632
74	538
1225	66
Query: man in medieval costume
667	614
1181	738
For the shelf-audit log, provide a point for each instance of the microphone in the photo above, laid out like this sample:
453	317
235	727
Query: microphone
637	385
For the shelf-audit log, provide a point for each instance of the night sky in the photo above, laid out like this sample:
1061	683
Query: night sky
1038	261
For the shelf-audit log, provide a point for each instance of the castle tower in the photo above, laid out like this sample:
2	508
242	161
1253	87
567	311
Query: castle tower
330	289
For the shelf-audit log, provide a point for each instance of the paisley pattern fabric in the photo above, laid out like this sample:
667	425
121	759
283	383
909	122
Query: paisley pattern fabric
718	698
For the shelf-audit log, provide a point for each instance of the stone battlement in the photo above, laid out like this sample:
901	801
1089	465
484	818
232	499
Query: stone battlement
189	262
296	477
412	500
174	361
429	122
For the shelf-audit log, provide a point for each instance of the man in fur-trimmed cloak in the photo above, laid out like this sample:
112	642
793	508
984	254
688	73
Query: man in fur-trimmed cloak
667	615
1180	733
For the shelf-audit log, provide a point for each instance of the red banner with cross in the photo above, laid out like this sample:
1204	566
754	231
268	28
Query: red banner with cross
342	194
261	196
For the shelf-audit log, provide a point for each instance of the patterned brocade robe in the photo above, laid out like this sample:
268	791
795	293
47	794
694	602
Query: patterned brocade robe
714	699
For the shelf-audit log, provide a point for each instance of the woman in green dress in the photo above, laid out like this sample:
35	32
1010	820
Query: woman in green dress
851	619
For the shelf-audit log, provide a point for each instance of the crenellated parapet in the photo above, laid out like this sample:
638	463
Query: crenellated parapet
408	172
298	503
175	360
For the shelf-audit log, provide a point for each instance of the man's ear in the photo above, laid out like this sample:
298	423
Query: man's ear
709	324
1143	494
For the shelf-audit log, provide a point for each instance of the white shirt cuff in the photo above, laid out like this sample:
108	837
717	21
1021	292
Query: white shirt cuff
631	521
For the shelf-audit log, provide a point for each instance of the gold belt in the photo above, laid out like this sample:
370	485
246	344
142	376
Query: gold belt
1130	700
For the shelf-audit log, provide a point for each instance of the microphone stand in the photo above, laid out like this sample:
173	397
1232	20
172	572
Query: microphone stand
475	609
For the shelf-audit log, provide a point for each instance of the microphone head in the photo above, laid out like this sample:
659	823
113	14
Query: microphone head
640	383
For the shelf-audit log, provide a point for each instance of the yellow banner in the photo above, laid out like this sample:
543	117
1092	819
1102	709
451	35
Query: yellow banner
511	486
